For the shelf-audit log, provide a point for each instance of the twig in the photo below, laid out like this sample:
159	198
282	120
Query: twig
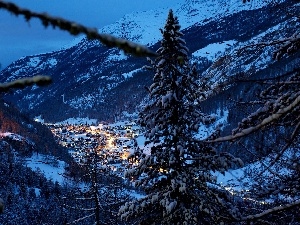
272	210
75	29
265	122
24	82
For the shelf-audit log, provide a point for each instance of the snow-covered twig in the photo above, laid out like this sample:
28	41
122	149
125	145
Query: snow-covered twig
24	82
75	29
271	211
264	123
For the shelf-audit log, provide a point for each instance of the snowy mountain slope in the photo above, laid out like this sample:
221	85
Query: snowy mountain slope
91	80
242	59
52	168
142	27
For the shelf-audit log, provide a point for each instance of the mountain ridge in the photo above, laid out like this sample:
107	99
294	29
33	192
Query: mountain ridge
91	80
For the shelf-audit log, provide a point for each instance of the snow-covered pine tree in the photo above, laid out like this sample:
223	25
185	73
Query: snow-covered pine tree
176	176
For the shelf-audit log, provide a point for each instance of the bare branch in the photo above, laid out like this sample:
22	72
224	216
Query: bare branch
75	29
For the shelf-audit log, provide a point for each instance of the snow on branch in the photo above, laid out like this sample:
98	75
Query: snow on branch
24	82
265	122
271	211
75	29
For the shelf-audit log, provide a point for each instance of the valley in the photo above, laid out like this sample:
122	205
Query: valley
203	131
112	143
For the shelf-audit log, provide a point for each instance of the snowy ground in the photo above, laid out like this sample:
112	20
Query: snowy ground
52	169
206	130
212	51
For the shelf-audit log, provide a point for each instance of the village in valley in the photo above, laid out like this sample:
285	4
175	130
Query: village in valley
111	143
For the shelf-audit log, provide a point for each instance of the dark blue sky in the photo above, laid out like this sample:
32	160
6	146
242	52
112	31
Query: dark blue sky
19	38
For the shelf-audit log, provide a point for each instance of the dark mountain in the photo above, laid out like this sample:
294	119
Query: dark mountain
26	136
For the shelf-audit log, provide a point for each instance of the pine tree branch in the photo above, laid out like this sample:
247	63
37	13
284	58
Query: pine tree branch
24	82
271	211
264	123
75	29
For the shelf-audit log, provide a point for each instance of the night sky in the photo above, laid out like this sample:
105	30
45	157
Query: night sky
19	38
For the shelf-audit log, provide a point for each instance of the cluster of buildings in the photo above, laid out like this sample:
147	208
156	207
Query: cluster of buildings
112	143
